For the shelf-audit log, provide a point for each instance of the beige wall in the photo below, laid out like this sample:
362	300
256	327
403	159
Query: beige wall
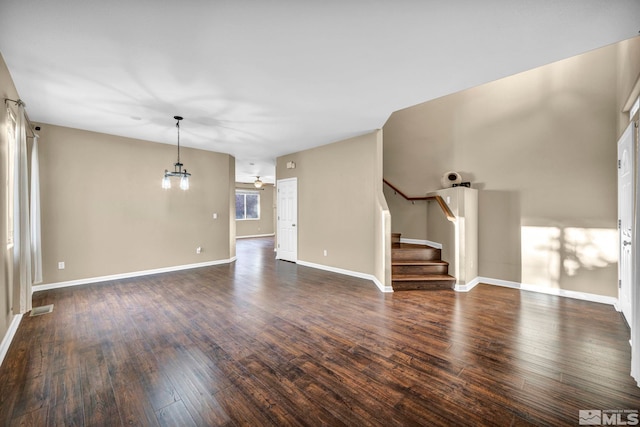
382	223
337	202
412	223
541	148
104	212
628	76
231	199
7	90
265	225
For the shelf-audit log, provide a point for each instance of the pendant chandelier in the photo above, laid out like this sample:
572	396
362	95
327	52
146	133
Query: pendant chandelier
177	167
257	183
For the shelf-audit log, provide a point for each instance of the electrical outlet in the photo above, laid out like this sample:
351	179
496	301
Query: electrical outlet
325	252
215	216
61	265
198	249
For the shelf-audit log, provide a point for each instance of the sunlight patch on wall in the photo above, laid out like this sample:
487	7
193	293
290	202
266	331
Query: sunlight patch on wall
591	248
541	256
550	254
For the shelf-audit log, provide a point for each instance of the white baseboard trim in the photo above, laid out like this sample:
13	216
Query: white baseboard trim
422	242
540	289
8	337
467	286
348	273
79	282
255	235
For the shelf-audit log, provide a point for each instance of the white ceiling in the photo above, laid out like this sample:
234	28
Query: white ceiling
260	79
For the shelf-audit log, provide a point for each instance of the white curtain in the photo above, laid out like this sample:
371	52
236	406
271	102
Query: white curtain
21	228
36	240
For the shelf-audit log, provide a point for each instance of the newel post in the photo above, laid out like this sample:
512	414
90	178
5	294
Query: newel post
458	236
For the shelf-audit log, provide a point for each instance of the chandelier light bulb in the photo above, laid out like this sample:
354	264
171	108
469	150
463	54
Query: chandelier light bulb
166	182
184	182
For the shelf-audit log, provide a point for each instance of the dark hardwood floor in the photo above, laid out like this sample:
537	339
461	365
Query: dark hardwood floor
264	342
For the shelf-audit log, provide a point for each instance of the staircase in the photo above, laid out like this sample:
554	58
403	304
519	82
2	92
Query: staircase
418	267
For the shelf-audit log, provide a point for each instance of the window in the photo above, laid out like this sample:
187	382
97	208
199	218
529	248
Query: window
247	204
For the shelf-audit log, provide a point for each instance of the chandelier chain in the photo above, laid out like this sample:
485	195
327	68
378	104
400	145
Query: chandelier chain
178	127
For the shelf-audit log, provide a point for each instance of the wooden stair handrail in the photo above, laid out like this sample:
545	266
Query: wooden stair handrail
445	208
443	205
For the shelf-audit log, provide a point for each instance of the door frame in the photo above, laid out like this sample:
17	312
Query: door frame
626	208
278	210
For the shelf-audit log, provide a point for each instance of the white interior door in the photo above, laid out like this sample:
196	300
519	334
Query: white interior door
287	212
625	220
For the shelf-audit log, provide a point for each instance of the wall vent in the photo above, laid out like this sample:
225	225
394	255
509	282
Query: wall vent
37	311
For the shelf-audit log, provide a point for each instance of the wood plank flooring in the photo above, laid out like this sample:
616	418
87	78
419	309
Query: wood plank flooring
262	342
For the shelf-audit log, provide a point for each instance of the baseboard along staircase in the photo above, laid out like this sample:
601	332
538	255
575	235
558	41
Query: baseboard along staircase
418	267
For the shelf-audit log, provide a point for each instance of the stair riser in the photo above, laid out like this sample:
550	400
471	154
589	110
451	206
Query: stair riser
422	285
395	238
416	254
420	269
